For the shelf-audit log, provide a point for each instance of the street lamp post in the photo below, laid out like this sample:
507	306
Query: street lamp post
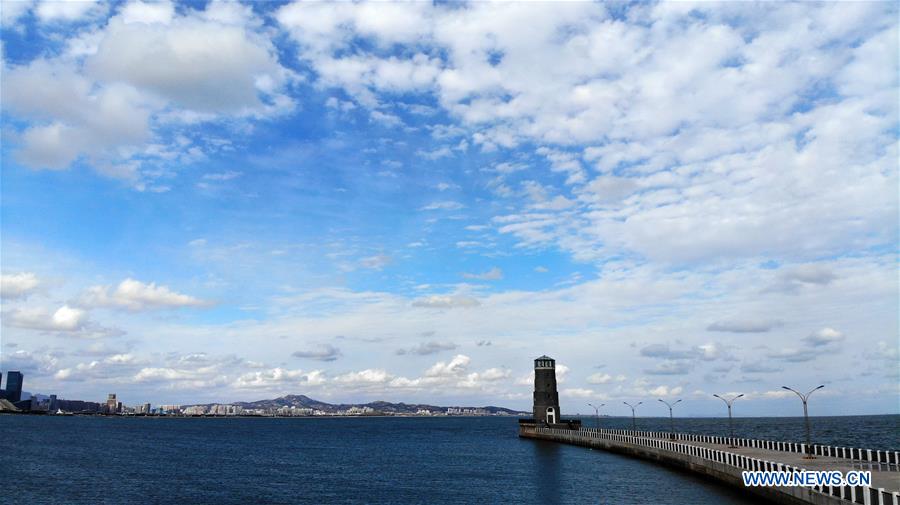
633	424
597	412
730	422
671	417
805	399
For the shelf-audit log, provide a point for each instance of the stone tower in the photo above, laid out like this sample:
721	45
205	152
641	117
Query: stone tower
546	399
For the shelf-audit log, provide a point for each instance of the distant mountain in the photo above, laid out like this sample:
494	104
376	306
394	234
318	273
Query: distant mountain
303	401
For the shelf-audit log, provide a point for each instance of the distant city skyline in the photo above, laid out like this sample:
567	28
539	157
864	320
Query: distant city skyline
408	202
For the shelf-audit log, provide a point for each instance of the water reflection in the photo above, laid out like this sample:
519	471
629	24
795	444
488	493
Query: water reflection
547	463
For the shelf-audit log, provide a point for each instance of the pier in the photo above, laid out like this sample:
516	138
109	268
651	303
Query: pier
714	458
723	459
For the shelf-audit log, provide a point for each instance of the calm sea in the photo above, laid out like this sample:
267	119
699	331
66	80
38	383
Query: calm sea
351	460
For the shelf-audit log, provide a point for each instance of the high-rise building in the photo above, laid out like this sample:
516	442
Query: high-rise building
546	398
14	381
54	404
111	404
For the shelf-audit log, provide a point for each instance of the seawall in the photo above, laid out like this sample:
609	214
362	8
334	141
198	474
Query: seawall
720	465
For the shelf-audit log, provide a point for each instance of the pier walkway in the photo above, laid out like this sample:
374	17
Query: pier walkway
713	457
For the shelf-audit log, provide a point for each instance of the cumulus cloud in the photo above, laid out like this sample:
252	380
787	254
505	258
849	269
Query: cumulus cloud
793	354
12	11
455	366
581	393
146	68
31	363
706	352
426	348
279	378
181	60
444	205
670	367
134	295
446	302
112	367
364	377
53	11
18	285
494	274
793	279
377	262
325	352
604	378
666	391
759	367
65	319
222	176
824	337
744	325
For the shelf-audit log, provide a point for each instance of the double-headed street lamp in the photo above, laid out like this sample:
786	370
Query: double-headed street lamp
671	417
633	424
804	399
730	422
596	412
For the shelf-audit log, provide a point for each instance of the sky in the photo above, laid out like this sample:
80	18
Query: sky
214	202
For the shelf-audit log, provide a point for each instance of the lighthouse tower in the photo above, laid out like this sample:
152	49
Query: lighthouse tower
546	399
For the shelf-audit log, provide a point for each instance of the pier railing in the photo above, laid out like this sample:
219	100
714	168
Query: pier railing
659	441
889	459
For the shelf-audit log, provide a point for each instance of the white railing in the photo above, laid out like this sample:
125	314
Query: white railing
890	459
659	441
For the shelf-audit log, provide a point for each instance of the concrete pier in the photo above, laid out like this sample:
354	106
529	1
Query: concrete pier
712	457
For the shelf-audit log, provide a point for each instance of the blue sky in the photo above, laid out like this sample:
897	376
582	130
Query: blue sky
224	201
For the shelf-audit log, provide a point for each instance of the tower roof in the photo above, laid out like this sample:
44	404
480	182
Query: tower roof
545	357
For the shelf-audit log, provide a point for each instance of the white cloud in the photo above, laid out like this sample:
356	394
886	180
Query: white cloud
377	262
364	377
824	337
793	354
436	154
494	274
222	176
582	393
454	367
670	367
600	378
63	319
148	13
426	348
146	68
186	61
12	11
744	325
134	295
665	391
50	11
322	353
279	378
758	367
735	156
18	285
444	205
446	302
